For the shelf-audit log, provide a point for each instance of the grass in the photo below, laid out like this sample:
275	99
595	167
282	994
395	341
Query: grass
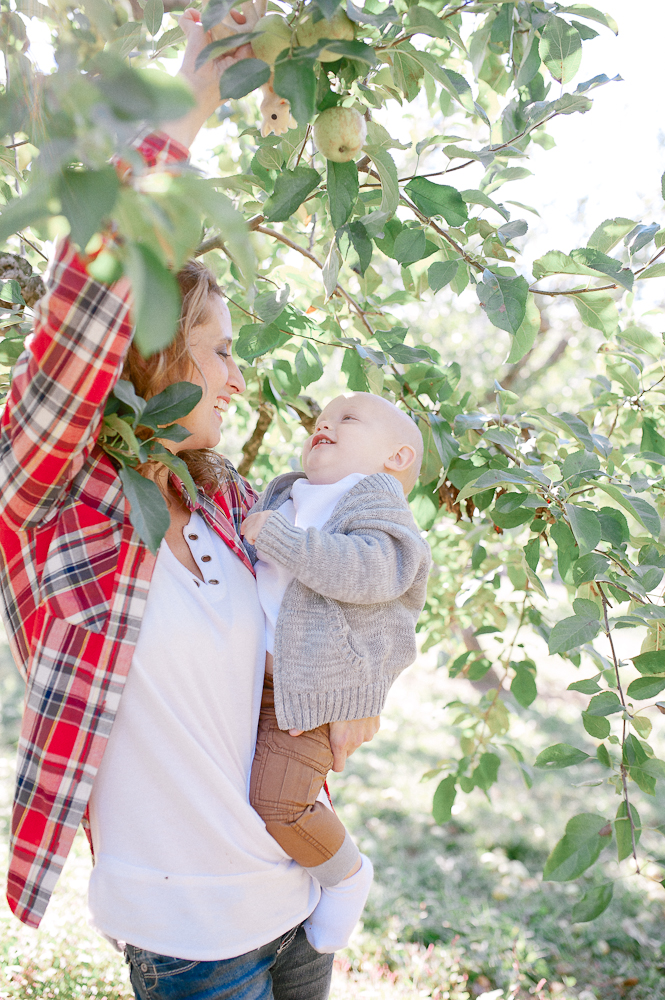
456	912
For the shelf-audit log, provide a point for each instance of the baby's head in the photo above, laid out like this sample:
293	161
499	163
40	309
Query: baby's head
363	433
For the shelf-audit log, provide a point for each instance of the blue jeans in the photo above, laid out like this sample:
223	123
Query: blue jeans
287	968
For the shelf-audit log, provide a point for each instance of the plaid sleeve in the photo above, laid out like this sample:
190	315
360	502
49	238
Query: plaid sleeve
61	383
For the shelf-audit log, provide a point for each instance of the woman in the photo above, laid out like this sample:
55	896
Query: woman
144	673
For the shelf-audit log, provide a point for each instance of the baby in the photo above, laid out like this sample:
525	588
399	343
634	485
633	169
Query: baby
342	576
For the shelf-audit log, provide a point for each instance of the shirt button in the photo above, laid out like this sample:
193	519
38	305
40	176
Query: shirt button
213	581
144	967
193	537
206	558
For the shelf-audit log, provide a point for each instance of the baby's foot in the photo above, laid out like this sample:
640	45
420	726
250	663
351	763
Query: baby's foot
331	924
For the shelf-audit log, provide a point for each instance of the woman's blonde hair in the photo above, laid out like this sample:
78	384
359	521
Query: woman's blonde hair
176	362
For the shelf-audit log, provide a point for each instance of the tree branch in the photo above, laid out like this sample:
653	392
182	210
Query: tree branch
250	449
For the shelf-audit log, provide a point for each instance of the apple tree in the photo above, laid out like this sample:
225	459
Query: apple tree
330	224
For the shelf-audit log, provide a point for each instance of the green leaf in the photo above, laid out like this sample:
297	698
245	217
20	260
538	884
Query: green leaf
438	199
10	291
242	78
598	261
587	686
591	14
156	299
523	686
361	244
256	339
222	45
605	703
421	20
153	15
453	82
572	632
309	366
178	466
387	172
174	402
20	213
441	273
532	553
295	80
598	310
410	246
291	189
585	526
503	299
87	198
561	49
578	848
643	340
444	797
342	191
596	725
650	663
655	271
148	511
593	903
560	755
485	774
136	94
556	262
353	369
525	336
640	509
350	49
270	305
622	830
610	232
126	393
215	11
646	688
587	609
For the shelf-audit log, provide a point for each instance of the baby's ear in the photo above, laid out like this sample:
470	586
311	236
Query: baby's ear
401	459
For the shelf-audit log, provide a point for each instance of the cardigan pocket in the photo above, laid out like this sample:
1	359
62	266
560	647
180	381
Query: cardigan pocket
78	580
341	634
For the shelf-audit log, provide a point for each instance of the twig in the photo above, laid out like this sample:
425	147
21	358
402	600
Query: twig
573	291
310	256
304	143
15	145
36	249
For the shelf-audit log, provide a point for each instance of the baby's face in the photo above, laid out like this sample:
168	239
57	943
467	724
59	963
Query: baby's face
352	435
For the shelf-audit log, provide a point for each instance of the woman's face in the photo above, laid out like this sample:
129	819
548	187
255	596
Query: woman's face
218	376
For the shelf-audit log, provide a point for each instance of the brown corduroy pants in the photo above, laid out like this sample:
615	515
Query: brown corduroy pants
287	775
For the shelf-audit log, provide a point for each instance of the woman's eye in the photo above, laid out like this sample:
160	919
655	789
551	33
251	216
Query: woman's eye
223	354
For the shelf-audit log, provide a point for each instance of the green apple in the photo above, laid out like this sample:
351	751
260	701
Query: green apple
340	134
338	27
275	36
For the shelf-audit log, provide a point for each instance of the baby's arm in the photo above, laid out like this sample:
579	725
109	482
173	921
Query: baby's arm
377	561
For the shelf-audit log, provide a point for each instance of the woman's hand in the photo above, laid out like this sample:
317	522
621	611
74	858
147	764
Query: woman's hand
203	82
252	525
346	737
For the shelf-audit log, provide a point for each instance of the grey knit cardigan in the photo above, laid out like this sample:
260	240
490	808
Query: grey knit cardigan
346	626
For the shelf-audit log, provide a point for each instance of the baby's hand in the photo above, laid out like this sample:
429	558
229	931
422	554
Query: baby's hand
252	525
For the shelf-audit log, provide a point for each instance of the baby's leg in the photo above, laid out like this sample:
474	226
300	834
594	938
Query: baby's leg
287	775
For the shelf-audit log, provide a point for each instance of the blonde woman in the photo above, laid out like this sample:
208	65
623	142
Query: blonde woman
144	673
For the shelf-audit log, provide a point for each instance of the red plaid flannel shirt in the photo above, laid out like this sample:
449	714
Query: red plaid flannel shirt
75	574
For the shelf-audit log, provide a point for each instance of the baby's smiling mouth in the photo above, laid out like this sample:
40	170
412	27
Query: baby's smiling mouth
321	439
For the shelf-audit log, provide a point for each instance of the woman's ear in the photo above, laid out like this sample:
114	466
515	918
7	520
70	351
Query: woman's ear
401	460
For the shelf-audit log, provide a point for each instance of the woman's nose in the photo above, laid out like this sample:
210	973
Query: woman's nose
236	382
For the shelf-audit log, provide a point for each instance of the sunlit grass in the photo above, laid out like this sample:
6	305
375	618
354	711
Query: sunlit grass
456	912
